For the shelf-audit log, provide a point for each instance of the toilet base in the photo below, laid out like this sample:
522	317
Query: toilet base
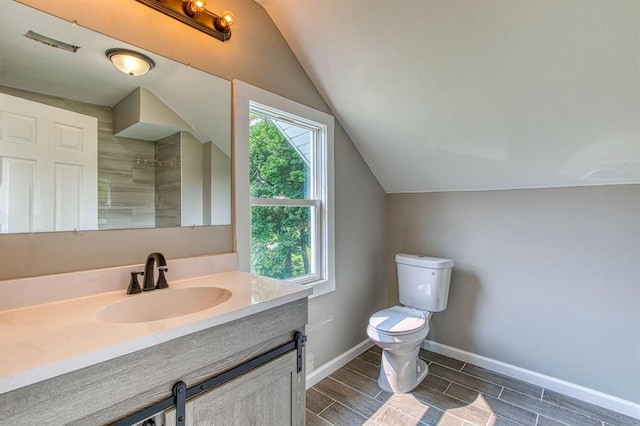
401	373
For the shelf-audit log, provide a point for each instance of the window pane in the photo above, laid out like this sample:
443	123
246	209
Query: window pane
279	159
281	241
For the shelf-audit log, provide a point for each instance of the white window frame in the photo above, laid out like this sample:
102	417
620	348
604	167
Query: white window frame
244	97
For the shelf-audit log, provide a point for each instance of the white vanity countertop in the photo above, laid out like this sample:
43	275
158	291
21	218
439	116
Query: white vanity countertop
47	340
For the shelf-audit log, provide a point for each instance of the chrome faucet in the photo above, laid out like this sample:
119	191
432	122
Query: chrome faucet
149	276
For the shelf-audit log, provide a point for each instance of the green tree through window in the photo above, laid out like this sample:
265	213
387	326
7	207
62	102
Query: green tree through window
280	245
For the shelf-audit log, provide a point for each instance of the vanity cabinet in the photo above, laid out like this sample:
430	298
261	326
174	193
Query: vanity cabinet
112	390
267	395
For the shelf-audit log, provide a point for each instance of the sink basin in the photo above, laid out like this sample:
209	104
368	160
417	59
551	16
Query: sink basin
163	304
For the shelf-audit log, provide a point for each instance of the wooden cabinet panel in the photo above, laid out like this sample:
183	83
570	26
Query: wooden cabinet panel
268	395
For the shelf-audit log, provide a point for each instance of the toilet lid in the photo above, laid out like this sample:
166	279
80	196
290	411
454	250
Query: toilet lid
398	320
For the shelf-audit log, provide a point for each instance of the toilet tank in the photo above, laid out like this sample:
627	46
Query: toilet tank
423	282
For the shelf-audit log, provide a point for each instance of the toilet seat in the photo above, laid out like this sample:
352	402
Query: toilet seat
398	321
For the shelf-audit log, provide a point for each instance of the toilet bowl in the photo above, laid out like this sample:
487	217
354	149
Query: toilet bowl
423	287
400	331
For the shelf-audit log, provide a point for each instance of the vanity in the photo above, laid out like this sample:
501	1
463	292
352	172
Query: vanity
74	347
102	358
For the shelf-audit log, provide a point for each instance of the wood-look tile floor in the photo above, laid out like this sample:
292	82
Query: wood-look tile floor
453	394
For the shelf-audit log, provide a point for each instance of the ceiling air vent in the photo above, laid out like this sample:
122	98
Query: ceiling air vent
52	42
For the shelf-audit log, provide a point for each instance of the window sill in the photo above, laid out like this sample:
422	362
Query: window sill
321	287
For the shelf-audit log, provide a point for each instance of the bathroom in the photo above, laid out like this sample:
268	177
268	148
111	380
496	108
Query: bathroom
544	278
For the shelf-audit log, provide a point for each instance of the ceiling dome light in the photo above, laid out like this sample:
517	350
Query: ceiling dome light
130	62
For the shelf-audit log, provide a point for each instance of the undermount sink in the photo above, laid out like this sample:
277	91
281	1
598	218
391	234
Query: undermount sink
163	304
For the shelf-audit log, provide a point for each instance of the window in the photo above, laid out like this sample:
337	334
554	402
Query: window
284	188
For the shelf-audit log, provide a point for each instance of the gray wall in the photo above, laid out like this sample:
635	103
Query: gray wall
544	279
256	54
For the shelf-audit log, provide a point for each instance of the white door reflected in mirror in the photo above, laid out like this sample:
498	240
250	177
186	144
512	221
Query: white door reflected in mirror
48	161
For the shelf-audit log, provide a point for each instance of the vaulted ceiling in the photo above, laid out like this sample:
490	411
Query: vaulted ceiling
477	94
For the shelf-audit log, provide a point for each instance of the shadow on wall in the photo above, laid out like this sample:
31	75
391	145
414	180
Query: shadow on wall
465	294
319	327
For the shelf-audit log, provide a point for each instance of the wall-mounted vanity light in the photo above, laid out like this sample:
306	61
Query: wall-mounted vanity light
130	62
194	13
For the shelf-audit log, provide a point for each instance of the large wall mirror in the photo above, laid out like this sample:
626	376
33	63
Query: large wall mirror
84	146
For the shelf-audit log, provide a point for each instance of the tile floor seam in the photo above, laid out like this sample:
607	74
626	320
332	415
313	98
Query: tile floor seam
444	410
356	411
463	385
431	404
463	365
499	384
324	394
348	408
448	386
357	372
577	412
555	405
557	421
501	400
457	417
495	416
591	416
370	363
491	417
378	413
420	422
534	397
399	411
355	389
325	408
471	375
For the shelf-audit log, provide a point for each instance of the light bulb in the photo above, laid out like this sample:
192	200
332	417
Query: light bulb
225	20
194	7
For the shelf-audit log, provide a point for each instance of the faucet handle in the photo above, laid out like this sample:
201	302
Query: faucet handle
162	280
134	285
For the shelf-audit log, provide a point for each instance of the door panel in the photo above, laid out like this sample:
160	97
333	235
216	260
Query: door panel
267	395
63	147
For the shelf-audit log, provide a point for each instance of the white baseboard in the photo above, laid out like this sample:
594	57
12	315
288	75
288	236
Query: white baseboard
571	389
338	362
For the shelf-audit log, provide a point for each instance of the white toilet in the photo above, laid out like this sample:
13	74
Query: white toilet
423	284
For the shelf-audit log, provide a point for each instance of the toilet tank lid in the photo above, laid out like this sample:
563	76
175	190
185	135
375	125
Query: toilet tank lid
424	261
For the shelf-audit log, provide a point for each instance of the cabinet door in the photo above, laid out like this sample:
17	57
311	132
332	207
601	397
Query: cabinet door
272	394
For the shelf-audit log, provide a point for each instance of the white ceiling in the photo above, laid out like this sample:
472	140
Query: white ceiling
477	94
